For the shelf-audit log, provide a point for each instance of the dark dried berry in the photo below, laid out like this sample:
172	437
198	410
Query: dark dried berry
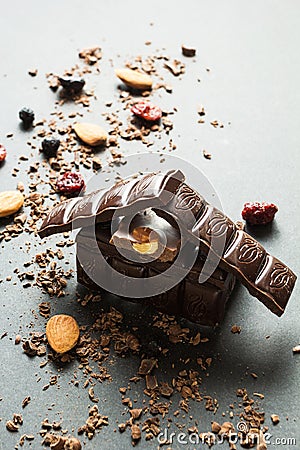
2	153
70	183
259	213
50	147
27	116
72	85
147	111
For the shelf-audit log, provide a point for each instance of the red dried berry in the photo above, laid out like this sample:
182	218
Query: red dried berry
259	213
2	153
147	111
70	183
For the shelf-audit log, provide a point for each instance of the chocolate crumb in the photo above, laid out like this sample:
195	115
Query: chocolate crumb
33	72
17	339
206	154
151	382
96	163
135	413
122	427
11	426
26	401
275	419
135	432
146	366
235	329
215	427
166	390
188	51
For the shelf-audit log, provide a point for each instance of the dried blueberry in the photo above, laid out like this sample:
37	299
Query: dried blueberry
72	85
50	147
27	117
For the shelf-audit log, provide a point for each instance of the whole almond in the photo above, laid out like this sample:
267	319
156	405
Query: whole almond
90	133
10	202
62	333
135	79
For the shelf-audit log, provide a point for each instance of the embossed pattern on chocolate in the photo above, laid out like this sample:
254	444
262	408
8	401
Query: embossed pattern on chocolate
245	254
195	306
214	227
187	200
249	251
280	277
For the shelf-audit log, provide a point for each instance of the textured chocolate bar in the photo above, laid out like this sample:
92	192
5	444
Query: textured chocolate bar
200	303
147	191
265	276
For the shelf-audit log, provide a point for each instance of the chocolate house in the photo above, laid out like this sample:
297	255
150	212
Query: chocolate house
142	226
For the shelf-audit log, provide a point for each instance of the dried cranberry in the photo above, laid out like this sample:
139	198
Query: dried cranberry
2	153
259	213
70	183
147	111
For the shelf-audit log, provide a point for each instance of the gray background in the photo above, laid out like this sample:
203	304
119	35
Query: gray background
252	49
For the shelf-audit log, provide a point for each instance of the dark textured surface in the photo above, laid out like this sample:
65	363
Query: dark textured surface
252	51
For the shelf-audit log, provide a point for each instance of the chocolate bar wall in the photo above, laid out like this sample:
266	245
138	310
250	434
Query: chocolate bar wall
201	303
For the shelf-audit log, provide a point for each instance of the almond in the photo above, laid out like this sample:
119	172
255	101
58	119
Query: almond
62	333
134	79
145	248
90	133
10	202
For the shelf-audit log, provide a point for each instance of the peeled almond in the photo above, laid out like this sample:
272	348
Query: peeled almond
145	248
90	133
135	79
10	202
62	333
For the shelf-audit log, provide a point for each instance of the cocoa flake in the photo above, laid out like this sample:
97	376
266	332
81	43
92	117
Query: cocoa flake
26	401
275	419
135	432
146	366
11	426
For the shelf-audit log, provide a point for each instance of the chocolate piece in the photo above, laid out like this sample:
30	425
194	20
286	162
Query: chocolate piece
265	276
147	191
201	303
188	51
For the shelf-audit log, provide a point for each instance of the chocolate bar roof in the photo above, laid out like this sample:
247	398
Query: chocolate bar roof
146	191
265	277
